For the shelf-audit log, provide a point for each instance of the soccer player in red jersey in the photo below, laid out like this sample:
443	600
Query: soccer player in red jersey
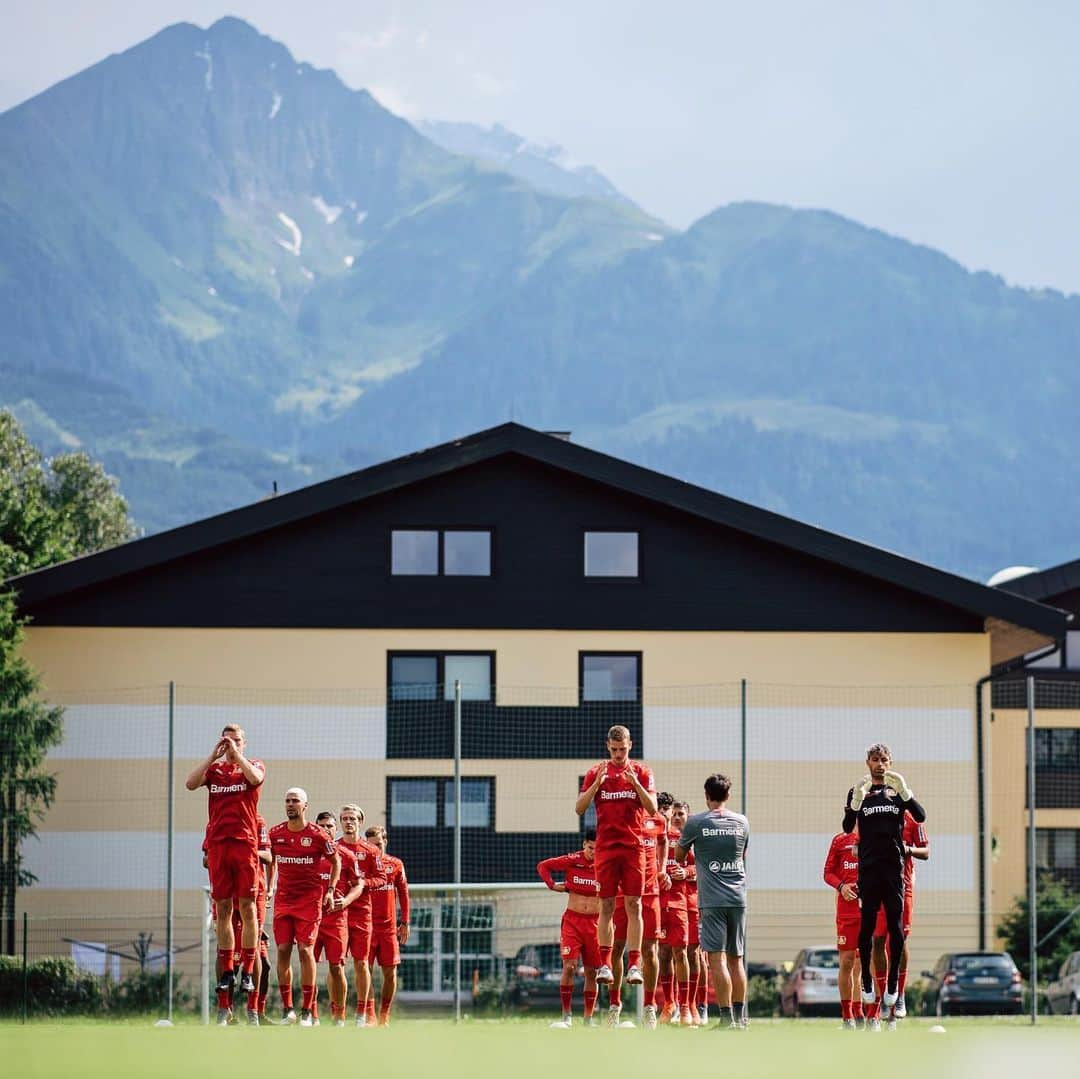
841	873
577	936
232	844
699	982
624	792
298	847
370	866
674	964
389	928
916	845
333	938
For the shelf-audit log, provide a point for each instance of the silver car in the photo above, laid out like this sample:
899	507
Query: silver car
1063	994
811	988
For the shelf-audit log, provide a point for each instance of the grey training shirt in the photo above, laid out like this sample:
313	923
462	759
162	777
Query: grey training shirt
718	838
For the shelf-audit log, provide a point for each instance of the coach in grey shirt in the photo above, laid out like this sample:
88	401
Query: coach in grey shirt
718	837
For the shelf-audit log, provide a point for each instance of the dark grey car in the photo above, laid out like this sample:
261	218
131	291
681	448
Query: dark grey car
987	983
1063	993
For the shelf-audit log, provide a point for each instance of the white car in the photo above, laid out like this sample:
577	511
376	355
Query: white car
812	985
1063	994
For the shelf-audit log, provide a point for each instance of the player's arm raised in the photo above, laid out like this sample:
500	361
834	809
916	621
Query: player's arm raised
253	771
588	793
895	781
197	776
646	797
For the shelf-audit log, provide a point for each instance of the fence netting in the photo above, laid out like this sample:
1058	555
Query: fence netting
100	856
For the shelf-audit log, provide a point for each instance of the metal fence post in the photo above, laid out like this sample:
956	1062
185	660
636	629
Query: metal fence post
1032	910
171	788
742	716
25	971
204	958
457	850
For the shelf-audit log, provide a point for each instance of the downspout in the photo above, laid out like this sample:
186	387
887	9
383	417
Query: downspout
980	765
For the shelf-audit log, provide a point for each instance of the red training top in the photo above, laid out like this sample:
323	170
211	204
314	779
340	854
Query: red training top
298	856
842	867
382	896
233	804
619	812
579	873
370	866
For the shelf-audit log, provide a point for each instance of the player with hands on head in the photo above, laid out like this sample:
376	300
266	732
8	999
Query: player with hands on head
624	792
876	805
577	935
233	783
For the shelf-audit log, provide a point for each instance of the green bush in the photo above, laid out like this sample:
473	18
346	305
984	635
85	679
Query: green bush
762	997
488	998
145	991
54	986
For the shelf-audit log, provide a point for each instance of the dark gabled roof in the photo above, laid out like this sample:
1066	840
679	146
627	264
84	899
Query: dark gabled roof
1055	581
141	554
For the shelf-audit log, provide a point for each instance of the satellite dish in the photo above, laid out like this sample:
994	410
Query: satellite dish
1010	573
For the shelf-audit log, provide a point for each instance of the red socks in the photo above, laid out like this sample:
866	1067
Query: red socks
605	955
590	1003
614	995
286	996
308	997
845	1009
667	983
857	1009
369	1009
684	994
633	959
650	998
566	995
247	960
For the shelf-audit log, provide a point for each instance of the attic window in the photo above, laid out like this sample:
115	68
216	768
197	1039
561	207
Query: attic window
611	554
440	552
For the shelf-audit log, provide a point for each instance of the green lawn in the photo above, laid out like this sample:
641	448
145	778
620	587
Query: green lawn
522	1048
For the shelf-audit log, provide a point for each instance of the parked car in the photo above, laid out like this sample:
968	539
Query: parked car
1063	994
985	982
810	987
534	976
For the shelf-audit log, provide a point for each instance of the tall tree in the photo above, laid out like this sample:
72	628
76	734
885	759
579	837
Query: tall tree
49	511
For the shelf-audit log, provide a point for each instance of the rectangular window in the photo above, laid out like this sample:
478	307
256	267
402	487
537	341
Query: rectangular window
1057	851
474	674
414	803
414	678
475	803
414	553
611	554
431	677
433	552
467	554
1072	649
615	677
428	802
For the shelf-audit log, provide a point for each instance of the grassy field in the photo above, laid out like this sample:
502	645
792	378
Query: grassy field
525	1048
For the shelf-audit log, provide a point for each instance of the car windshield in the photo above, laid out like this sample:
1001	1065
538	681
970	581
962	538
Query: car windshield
829	958
961	963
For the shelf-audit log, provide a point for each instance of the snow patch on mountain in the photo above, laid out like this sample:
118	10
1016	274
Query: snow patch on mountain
208	77
294	244
329	213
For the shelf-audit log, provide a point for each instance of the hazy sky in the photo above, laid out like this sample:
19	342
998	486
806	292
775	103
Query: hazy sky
953	124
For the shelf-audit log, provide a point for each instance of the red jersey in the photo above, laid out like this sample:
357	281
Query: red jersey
619	812
370	868
233	803
579	873
383	916
350	875
652	828
914	835
298	856
675	896
842	867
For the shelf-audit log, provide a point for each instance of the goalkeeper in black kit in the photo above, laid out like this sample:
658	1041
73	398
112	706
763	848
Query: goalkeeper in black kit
876	805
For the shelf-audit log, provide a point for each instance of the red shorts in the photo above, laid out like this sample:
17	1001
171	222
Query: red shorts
620	867
676	927
384	948
296	926
333	939
359	940
847	934
234	869
650	918
693	920
577	937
